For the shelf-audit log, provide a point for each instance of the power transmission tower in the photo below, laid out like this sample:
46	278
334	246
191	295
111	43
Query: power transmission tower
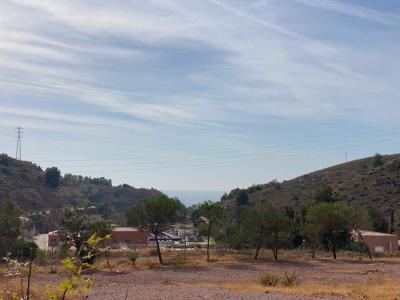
19	148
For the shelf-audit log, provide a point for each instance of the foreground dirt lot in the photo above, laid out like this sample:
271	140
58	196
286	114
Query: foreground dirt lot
234	276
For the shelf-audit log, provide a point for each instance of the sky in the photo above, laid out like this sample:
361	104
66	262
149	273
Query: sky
204	95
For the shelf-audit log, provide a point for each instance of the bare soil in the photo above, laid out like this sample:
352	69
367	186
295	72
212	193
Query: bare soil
234	280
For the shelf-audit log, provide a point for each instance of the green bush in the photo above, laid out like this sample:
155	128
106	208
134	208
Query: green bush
133	257
40	255
357	246
269	279
24	249
63	251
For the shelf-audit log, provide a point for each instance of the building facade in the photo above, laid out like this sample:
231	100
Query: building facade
381	244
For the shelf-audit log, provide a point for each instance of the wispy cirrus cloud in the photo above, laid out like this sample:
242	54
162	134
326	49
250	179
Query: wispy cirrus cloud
342	7
247	53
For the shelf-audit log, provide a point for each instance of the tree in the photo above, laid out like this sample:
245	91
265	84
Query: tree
278	224
254	225
210	213
103	230
52	176
242	198
75	231
155	214
312	235
9	227
378	160
326	194
264	226
335	220
362	219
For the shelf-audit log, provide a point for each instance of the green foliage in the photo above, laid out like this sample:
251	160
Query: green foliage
9	228
312	234
269	279
357	246
5	160
100	228
242	198
73	280
74	228
210	213
379	222
326	194
23	249
133	257
397	224
378	160
266	227
155	214
53	176
73	179
335	221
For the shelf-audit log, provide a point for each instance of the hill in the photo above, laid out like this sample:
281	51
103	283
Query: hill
24	183
373	183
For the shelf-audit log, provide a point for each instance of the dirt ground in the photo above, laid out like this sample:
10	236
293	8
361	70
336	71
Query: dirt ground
346	278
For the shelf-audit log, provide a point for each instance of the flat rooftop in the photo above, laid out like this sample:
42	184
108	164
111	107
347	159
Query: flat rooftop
125	229
375	233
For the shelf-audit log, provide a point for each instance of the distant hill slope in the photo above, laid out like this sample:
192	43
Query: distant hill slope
24	183
361	183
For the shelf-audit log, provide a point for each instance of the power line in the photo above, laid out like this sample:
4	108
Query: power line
233	161
279	150
198	157
18	150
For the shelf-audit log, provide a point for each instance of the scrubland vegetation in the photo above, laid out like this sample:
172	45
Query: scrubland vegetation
250	247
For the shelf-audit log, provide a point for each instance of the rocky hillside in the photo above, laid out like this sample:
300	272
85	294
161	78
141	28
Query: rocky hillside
373	182
24	183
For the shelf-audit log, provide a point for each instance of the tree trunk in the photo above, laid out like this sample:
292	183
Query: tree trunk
334	248
158	249
29	275
363	240
208	242
105	254
276	245
257	251
312	252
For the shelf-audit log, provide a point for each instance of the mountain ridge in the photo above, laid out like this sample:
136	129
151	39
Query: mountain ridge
24	183
372	182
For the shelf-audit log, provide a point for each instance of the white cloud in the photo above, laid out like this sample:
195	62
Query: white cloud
264	67
355	11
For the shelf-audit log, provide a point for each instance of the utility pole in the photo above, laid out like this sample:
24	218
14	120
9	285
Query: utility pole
345	157
18	149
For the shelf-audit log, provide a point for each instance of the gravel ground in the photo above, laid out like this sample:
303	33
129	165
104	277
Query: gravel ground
183	283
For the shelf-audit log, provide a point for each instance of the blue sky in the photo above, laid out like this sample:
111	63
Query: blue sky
199	95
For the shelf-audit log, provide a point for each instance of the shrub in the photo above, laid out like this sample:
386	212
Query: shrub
378	160
23	249
40	256
290	279
269	279
153	252
53	177
63	251
133	257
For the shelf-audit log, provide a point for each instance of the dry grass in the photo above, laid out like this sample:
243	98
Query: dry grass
373	280
384	290
10	288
